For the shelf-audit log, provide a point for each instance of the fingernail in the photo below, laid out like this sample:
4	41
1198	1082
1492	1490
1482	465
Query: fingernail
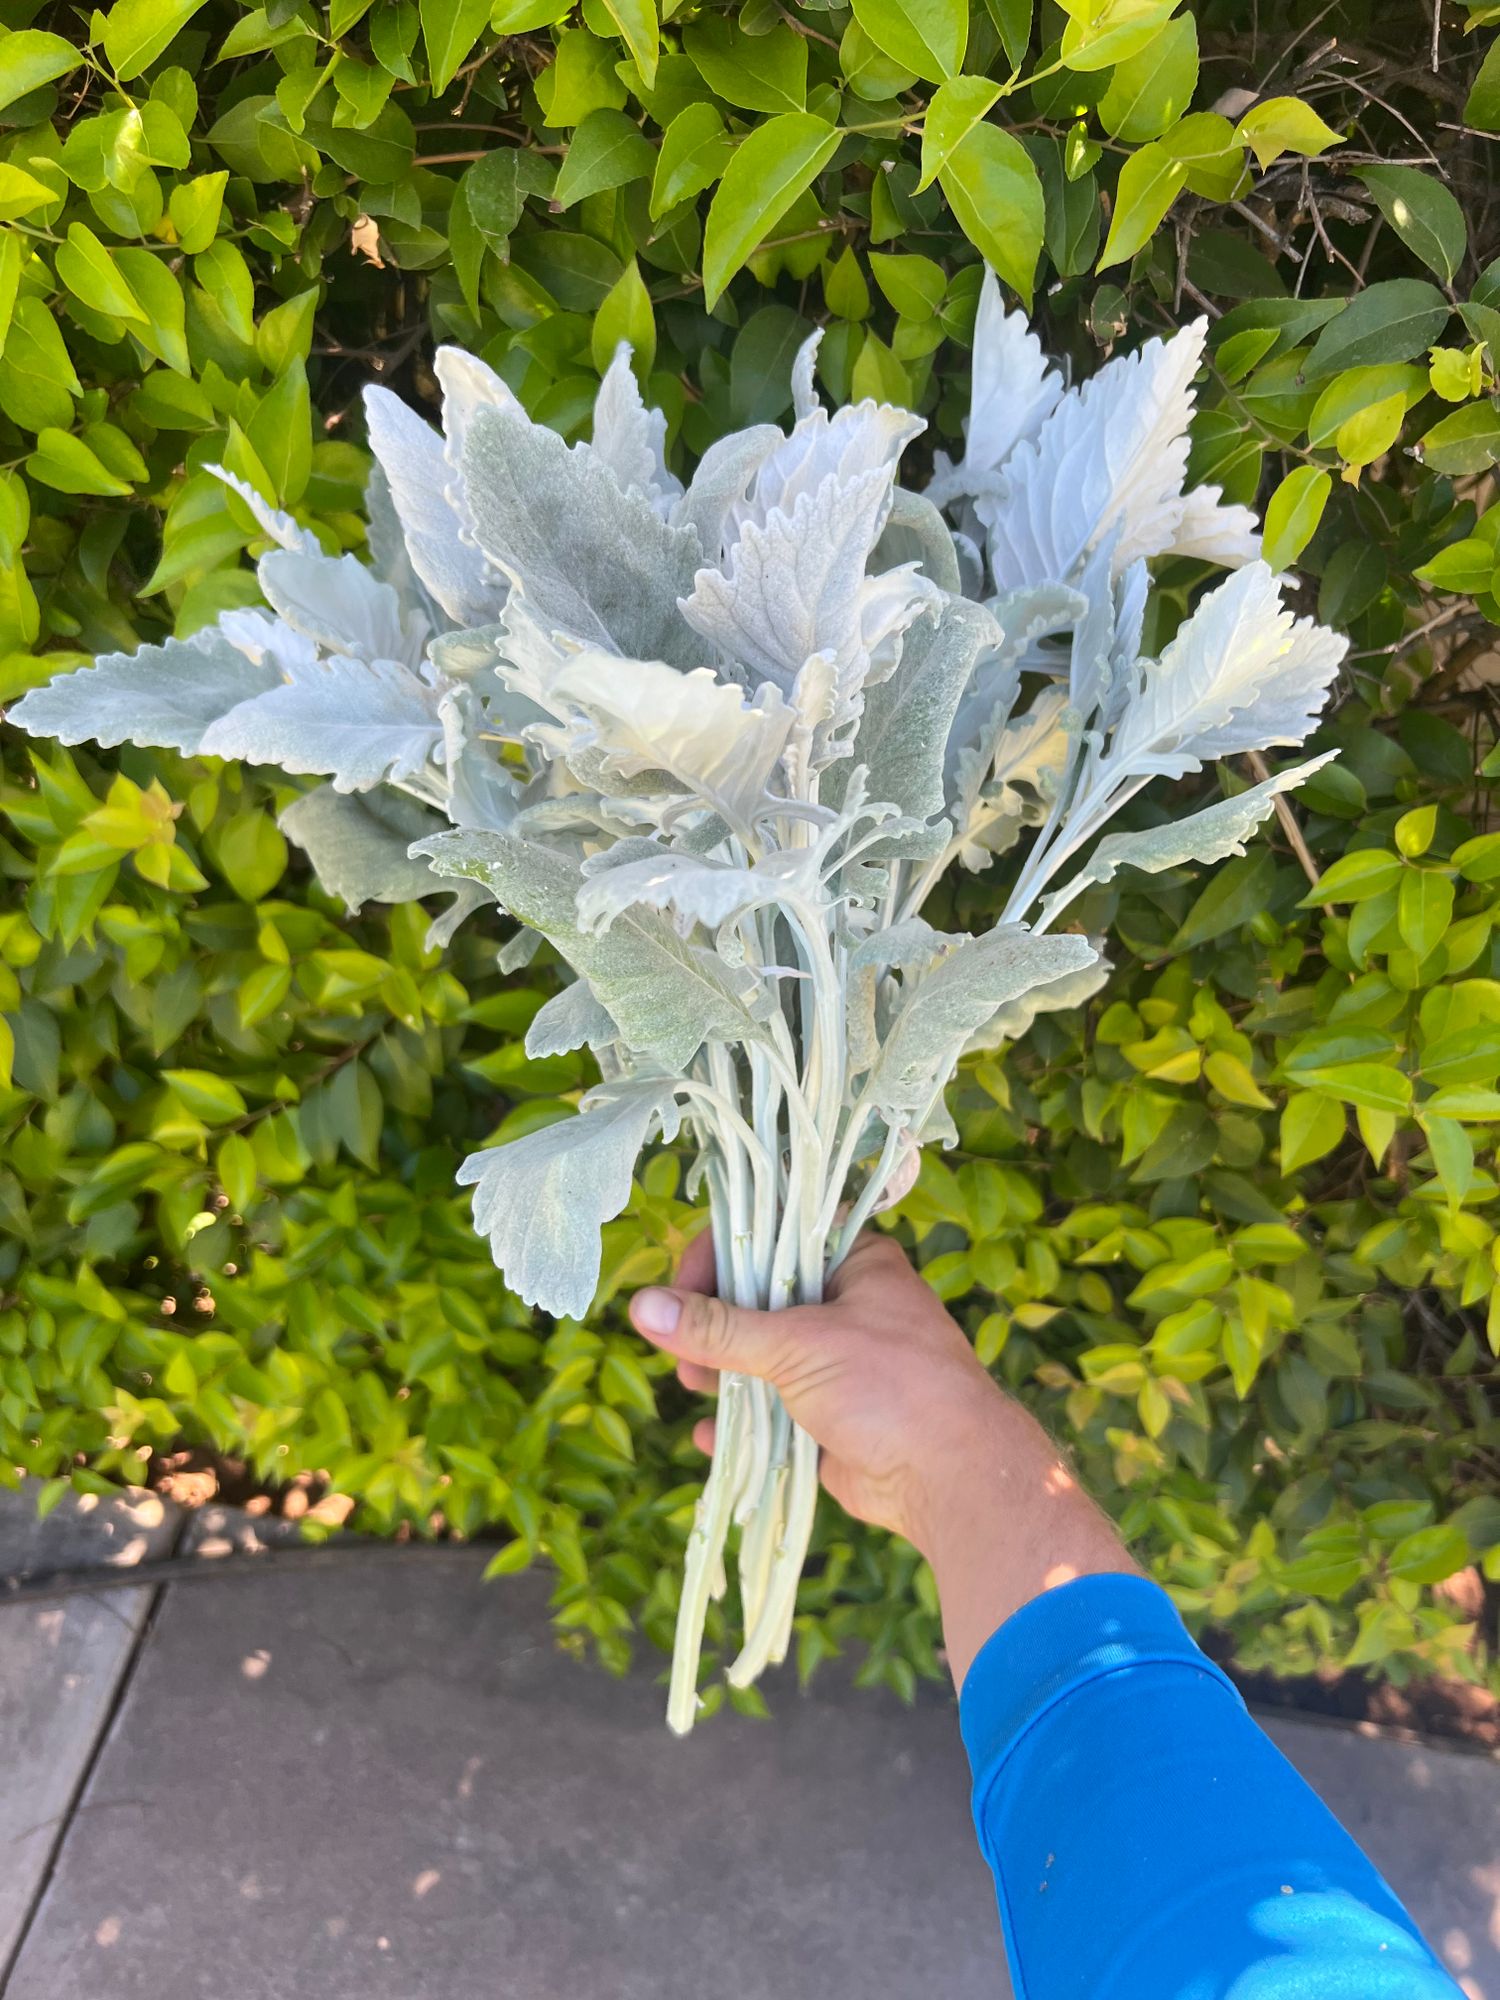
656	1311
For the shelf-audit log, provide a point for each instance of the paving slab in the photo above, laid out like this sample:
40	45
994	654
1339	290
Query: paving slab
1430	1821
392	1786
61	1666
389	1784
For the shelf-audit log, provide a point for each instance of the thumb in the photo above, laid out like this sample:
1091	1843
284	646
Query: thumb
710	1330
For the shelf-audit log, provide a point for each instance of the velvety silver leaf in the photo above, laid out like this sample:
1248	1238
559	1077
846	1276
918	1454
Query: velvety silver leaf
1112	456
163	696
630	438
1211	834
1214	530
587	556
339	604
902	739
1055	996
1014	391
410	453
571	1019
1241	674
694	890
359	722
861	438
915	532
517	952
721	483
1007	780
281	527
543	1199
799	583
911	944
644	716
1026	618
954	998
358	845
666	996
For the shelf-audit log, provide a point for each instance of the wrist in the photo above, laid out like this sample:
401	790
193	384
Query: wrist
1001	1519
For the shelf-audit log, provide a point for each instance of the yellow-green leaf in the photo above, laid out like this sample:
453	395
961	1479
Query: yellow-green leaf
1150	181
1150	91
695	150
65	462
925	36
1103	32
956	108
1293	513
212	1098
29	58
770	168
625	315
1423	909
996	197
450	28
1284	125
136	32
641	32
1311	1125
90	274
1370	432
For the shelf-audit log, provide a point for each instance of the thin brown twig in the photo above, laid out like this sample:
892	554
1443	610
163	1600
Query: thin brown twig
1288	820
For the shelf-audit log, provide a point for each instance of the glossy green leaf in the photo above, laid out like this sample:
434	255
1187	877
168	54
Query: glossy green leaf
996	197
1098	36
1280	125
694	152
30	57
1150	181
1466	441
1390	321
1424	909
607	150
1293	513
756	72
641	31
1150	91
1423	213
625	315
956	107
91	274
926	37
450	28
770	168
66	463
136	32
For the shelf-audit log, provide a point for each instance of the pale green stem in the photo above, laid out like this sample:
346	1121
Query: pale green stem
705	1549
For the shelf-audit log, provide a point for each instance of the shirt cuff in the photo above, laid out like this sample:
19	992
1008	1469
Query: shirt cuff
1055	1645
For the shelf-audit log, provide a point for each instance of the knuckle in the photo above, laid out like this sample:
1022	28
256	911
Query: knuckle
715	1325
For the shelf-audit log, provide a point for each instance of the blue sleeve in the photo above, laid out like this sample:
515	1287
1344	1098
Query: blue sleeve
1148	1841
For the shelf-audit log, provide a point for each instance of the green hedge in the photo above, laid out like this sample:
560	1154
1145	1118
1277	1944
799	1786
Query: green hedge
227	1214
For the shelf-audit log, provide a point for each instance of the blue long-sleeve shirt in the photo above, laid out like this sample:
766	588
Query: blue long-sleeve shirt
1148	1841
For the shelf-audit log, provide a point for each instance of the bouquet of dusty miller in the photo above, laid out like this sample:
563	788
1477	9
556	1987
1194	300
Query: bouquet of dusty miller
716	745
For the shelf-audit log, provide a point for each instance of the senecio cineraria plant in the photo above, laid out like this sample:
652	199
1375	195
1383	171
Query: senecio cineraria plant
716	745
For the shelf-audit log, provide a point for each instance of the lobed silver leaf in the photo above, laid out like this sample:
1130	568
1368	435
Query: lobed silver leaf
164	696
543	1199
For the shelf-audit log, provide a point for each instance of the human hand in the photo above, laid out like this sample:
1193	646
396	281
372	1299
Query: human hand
916	1436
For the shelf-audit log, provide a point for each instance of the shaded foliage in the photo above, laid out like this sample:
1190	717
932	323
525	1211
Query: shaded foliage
226	1205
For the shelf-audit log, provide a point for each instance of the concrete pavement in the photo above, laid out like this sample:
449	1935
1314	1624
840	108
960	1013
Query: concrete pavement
384	1782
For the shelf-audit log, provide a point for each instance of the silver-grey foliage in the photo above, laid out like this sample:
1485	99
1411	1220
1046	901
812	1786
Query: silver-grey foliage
717	745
